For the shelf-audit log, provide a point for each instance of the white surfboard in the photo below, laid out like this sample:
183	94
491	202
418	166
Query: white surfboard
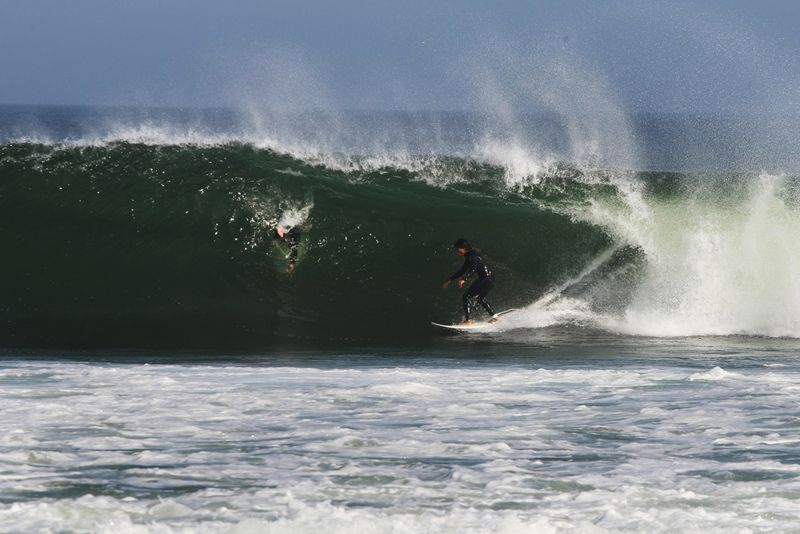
465	327
473	326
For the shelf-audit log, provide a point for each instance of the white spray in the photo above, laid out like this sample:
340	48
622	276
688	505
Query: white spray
720	268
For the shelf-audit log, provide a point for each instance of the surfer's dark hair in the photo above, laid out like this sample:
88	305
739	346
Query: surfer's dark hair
462	243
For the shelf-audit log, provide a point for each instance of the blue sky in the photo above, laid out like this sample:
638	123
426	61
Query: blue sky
705	55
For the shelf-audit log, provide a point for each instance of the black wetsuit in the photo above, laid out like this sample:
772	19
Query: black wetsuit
292	238
474	263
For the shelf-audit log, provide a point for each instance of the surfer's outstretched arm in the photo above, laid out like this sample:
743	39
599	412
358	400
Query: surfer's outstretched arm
469	267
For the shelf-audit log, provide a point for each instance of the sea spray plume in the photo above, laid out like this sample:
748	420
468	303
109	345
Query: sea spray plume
524	95
289	108
717	257
551	105
285	102
722	262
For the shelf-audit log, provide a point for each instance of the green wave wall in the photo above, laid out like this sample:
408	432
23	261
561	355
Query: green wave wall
128	245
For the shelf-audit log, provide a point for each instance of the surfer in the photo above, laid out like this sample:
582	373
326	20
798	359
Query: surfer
291	236
473	264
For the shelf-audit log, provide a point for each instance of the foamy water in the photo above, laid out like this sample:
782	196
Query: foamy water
404	444
720	259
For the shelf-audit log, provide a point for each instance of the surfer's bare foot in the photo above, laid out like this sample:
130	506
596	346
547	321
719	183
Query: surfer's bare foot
494	319
468	321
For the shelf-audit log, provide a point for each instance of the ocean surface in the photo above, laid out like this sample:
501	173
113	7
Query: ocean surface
161	372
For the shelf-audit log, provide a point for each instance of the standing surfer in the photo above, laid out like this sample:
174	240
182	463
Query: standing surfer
291	236
473	264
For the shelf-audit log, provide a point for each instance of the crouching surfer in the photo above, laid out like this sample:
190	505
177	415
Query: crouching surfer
291	236
473	264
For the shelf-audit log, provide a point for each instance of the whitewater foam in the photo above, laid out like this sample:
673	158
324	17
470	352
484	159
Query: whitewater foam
719	259
468	447
721	267
521	164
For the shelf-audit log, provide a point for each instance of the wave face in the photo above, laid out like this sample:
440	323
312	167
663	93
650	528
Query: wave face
129	242
168	244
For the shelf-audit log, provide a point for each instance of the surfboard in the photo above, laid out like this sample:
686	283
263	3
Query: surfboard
473	326
464	327
281	254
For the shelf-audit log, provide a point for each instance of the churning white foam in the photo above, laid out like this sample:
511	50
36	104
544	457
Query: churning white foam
720	258
466	447
717	266
521	164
